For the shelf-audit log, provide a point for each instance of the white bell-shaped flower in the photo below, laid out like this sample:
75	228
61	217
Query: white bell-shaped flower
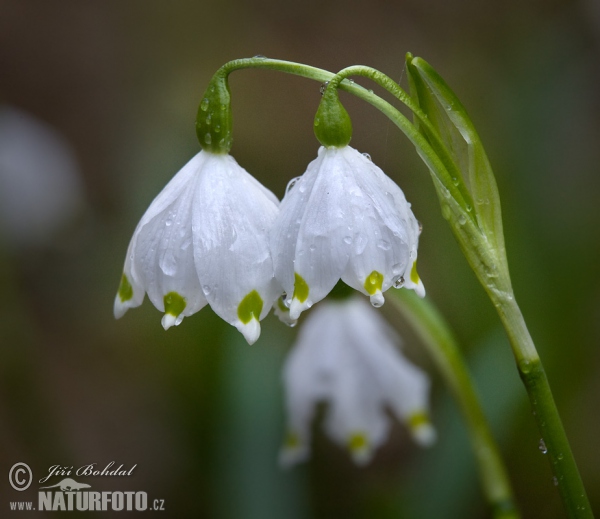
345	355
344	219
204	239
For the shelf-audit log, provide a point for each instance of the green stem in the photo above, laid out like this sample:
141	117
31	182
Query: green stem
436	166
554	440
437	337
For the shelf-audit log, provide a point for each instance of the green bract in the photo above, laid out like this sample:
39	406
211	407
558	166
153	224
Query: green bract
213	122
332	122
452	135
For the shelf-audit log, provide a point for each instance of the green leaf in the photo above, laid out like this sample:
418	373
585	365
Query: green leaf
455	129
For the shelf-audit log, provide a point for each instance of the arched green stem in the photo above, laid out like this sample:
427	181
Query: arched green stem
436	166
438	339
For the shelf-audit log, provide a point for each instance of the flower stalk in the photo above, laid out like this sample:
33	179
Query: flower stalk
483	246
442	346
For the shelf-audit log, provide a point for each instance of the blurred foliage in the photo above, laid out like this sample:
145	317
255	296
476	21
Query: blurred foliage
198	410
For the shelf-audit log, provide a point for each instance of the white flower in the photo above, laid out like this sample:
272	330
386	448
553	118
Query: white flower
344	218
40	187
204	239
345	355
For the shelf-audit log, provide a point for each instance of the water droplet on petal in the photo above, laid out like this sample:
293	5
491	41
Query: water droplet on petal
312	248
377	299
168	223
384	245
208	138
370	91
179	320
260	56
360	243
367	156
398	282
323	87
204	104
398	268
420	227
348	240
168	263
455	181
462	219
291	324
206	290
542	446
291	184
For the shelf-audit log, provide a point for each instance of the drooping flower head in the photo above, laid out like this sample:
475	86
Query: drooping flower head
346	355
343	219
204	240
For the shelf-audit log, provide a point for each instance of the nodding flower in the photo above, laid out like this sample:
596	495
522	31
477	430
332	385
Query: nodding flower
344	219
346	355
204	240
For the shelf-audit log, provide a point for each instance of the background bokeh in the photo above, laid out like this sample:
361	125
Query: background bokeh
197	409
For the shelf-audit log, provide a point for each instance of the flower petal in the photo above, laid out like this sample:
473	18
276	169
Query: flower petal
230	243
159	258
162	254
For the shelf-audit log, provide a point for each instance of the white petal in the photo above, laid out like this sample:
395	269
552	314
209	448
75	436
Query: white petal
130	293
161	250
283	313
284	234
383	226
169	320
313	230
250	330
231	223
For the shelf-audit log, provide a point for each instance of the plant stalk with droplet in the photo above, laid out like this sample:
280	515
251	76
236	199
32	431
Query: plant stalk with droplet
495	482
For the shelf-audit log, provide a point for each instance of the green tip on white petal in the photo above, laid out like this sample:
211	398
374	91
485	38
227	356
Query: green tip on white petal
249	311
124	295
174	305
415	281
373	284
250	330
421	429
300	301
360	448
293	450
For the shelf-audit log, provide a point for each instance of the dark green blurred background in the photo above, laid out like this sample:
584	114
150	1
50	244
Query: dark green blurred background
196	408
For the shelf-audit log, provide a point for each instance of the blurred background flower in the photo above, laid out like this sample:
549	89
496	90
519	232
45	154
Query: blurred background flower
196	408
